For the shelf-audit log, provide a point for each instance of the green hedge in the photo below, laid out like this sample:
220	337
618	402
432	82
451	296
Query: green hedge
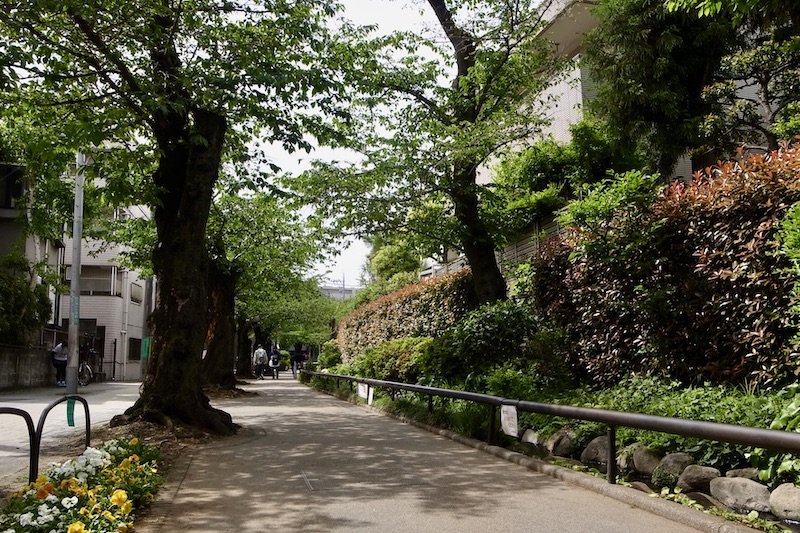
425	309
394	360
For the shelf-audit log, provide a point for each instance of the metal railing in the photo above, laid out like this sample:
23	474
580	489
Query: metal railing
776	440
35	435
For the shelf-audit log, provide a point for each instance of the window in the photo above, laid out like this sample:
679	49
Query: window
134	349
95	280
137	293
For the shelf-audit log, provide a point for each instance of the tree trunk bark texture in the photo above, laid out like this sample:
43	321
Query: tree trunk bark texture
187	171
244	367
477	242
217	366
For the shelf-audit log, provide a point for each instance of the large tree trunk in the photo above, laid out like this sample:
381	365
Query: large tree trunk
476	240
188	168
217	366
244	367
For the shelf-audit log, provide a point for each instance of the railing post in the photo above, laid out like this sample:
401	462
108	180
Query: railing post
392	393
33	452
611	467
430	403
492	423
43	416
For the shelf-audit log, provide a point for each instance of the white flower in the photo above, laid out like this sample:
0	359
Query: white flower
26	519
51	498
69	503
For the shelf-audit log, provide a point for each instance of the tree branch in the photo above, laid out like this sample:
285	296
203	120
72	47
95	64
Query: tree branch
424	100
122	69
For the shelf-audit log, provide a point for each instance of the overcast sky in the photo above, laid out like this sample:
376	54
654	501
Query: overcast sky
389	15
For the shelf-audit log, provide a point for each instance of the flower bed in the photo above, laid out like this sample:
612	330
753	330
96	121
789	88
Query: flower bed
98	492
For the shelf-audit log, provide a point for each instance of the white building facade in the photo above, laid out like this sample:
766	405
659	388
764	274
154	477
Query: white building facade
115	303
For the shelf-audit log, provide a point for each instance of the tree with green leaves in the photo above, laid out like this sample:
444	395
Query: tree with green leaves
430	125
540	179
165	91
393	262
683	83
260	253
24	303
651	69
304	316
739	9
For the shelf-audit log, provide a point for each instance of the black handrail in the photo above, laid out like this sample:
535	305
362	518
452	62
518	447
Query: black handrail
40	428
783	441
33	455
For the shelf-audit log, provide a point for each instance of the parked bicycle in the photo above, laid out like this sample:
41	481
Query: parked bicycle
85	374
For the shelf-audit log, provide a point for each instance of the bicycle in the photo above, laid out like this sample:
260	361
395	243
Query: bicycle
85	374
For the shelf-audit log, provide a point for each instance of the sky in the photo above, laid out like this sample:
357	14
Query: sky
389	15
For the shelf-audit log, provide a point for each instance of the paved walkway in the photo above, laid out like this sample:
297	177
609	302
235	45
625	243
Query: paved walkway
105	400
305	461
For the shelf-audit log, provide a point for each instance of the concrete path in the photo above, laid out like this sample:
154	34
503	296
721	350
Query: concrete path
105	400
304	461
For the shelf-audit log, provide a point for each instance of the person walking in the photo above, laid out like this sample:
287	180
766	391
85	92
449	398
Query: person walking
59	357
297	359
275	363
259	361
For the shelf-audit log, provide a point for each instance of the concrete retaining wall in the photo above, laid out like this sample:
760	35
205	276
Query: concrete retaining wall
25	367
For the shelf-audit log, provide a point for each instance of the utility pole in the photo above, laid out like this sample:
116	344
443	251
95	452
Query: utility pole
73	345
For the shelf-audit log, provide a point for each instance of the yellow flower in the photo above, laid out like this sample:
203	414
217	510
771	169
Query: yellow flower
76	527
85	512
45	490
108	516
134	441
134	458
125	464
119	497
126	507
124	528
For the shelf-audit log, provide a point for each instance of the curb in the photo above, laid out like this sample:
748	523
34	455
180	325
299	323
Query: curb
658	506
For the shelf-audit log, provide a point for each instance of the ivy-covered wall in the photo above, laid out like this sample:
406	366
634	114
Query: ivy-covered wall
424	309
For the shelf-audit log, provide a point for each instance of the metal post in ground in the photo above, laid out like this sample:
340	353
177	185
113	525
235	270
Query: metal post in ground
492	423
611	467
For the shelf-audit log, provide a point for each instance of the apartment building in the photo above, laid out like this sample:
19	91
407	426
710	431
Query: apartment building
114	305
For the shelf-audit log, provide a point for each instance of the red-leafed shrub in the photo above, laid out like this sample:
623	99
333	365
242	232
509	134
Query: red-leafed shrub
687	282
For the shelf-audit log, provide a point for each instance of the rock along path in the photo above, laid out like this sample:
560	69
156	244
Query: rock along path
304	461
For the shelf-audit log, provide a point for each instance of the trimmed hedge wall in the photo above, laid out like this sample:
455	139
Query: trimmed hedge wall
424	309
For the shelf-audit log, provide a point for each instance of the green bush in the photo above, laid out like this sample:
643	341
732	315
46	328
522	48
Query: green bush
394	360
781	467
329	356
668	398
528	384
498	334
